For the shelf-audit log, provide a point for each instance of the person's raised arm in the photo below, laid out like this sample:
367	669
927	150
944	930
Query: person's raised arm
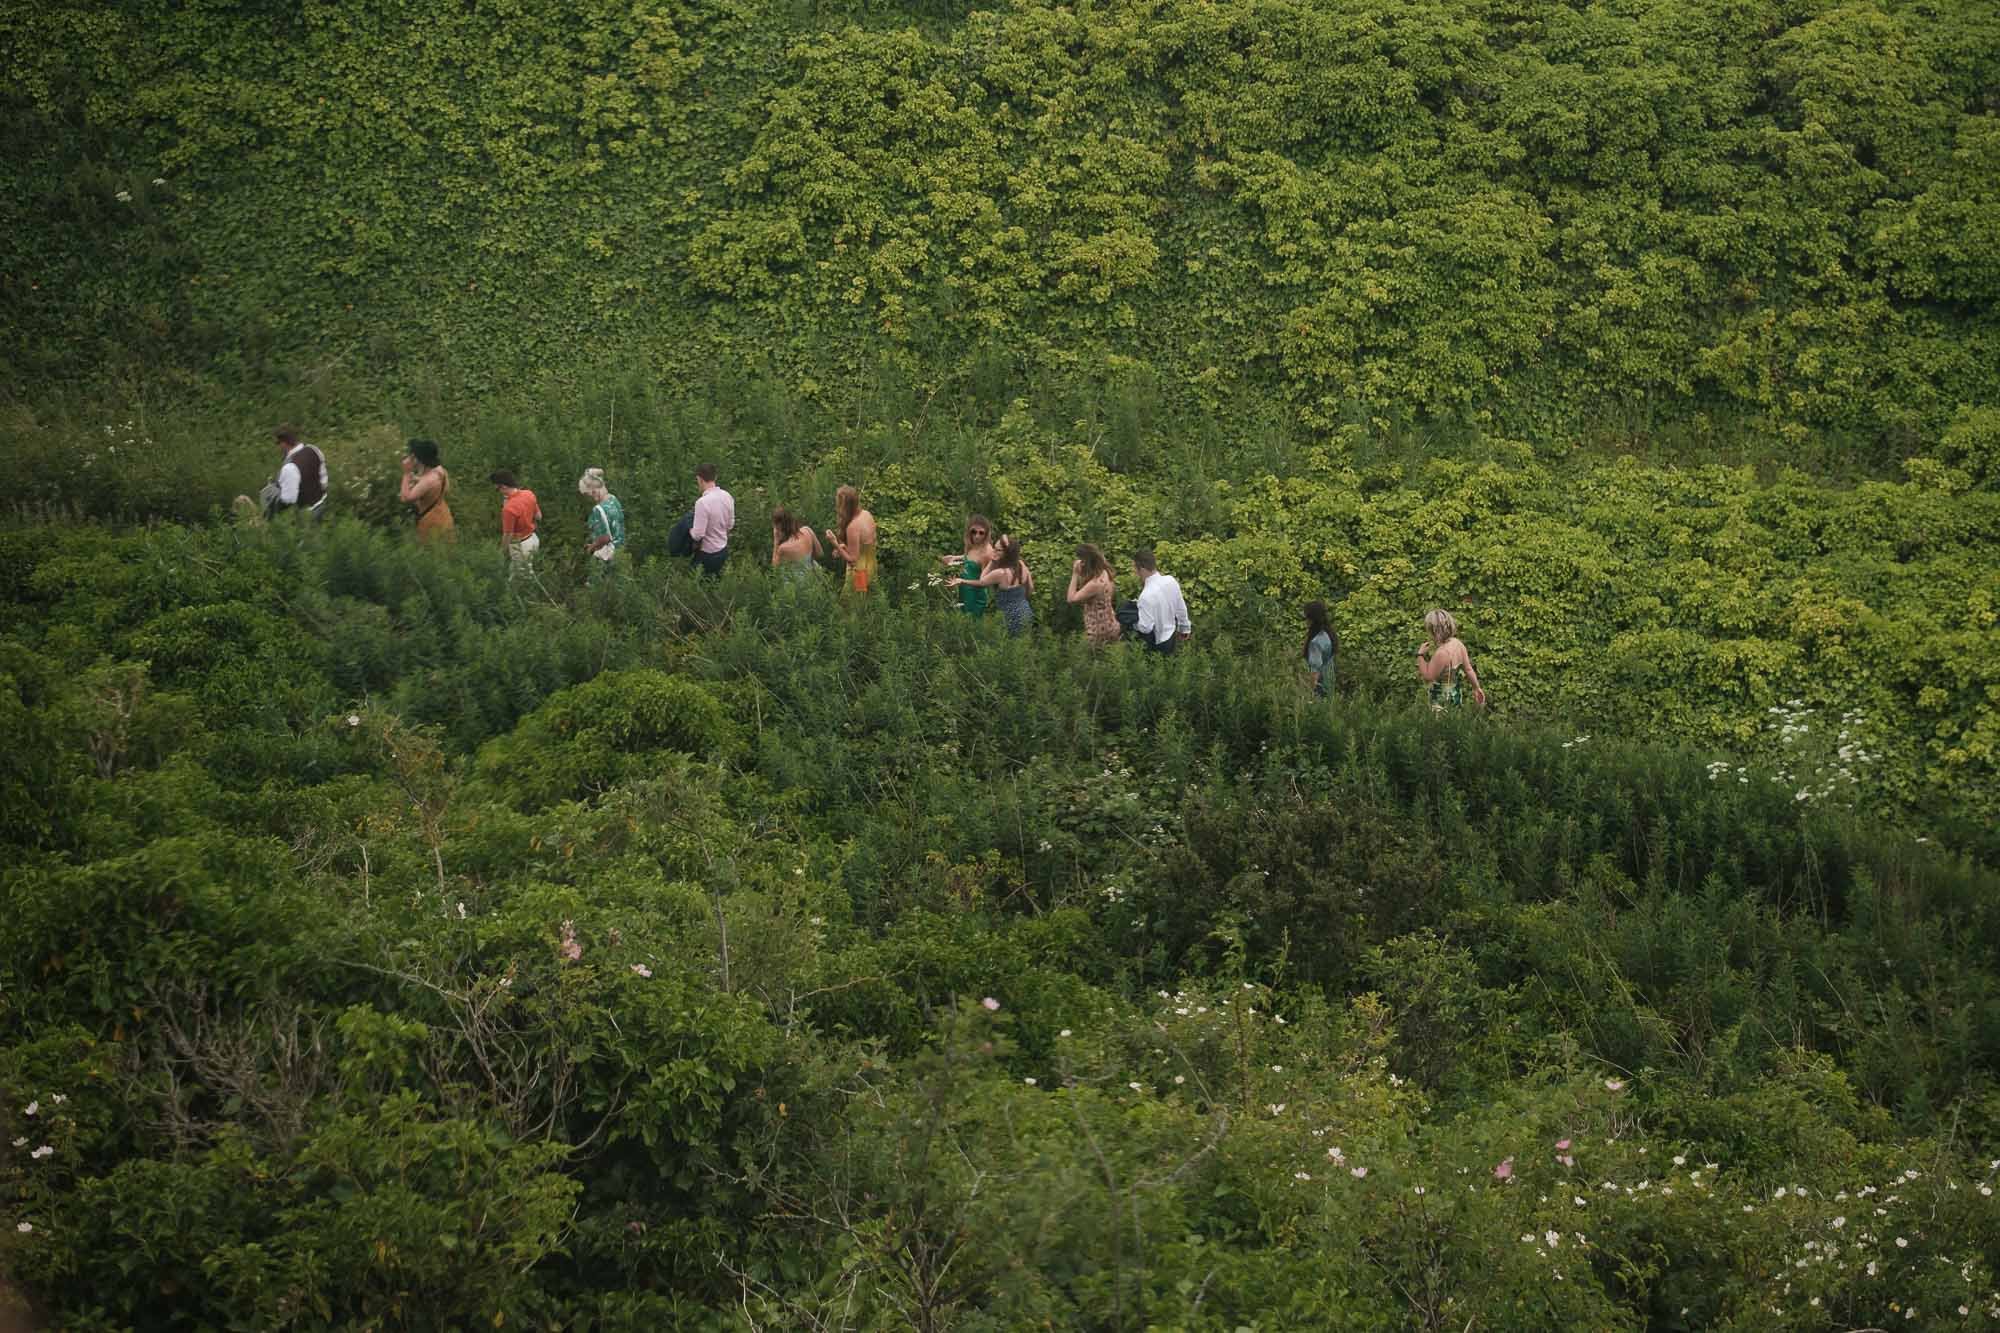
1430	663
813	538
777	545
1076	594
990	579
414	489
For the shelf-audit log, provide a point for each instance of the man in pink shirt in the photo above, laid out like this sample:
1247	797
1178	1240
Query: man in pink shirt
714	516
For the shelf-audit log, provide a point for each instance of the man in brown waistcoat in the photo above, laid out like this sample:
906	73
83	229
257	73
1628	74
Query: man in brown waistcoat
301	481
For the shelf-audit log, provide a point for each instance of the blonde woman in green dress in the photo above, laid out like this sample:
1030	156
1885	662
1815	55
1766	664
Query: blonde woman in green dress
1445	666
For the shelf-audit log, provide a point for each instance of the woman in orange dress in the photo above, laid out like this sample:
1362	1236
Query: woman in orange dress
854	539
424	485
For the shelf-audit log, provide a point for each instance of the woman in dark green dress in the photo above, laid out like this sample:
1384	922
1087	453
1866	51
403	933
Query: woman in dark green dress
973	598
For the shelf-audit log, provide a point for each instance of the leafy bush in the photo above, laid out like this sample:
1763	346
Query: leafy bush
597	735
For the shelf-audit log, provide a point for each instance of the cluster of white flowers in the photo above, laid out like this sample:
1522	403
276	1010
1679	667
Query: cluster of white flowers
1819	777
32	1110
128	435
1802	760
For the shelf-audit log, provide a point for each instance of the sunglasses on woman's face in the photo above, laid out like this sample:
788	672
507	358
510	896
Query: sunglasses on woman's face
979	532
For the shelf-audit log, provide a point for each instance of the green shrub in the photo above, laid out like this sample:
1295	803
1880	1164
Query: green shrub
591	737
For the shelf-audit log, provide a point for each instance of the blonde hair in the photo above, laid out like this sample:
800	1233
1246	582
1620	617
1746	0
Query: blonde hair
846	504
592	482
1443	629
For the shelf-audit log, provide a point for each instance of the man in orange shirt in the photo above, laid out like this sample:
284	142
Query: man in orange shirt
519	513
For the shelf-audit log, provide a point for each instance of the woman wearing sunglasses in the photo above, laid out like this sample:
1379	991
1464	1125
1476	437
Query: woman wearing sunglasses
973	598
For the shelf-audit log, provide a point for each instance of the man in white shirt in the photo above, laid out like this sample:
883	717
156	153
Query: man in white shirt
714	516
301	481
1163	614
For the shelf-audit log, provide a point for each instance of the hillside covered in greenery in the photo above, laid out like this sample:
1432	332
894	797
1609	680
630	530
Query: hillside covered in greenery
389	943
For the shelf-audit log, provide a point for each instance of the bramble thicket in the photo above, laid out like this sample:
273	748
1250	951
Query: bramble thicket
389	943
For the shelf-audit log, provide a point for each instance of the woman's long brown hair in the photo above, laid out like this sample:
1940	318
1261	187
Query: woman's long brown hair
1007	555
846	504
1093	563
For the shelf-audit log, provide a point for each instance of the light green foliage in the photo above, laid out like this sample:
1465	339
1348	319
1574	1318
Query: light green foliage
1541	218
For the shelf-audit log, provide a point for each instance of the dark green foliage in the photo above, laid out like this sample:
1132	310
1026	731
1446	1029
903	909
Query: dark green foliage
531	962
591	737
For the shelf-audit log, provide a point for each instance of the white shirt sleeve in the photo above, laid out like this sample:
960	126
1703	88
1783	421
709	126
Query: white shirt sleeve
1182	625
288	483
1146	618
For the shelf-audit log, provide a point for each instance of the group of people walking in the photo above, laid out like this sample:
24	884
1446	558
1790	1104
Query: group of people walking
301	487
991	576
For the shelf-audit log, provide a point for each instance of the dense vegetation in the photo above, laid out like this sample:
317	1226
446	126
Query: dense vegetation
384	943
